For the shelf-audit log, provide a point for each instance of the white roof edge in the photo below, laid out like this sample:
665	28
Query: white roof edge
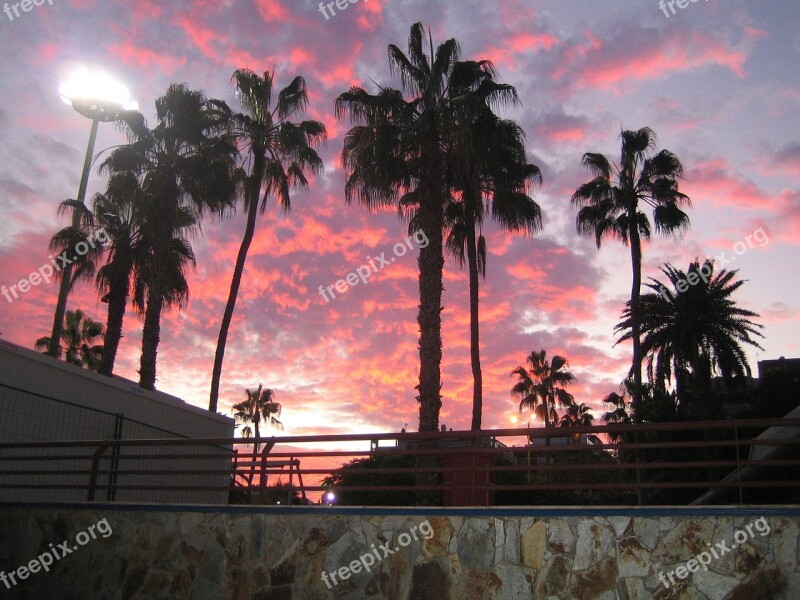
114	381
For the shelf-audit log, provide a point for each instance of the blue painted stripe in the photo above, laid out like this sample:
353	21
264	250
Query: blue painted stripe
599	511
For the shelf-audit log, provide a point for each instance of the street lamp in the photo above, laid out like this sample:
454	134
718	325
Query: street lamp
99	98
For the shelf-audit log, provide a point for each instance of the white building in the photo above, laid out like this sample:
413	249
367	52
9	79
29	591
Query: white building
42	399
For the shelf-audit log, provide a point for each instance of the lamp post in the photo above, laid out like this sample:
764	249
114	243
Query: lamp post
96	97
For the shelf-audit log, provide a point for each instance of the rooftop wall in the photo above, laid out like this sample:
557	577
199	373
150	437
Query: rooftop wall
42	399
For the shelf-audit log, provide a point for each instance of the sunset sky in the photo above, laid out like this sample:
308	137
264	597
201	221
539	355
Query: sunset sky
717	81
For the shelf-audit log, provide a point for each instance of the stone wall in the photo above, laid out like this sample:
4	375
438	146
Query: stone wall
274	554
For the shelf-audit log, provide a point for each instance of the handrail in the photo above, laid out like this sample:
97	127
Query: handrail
675	459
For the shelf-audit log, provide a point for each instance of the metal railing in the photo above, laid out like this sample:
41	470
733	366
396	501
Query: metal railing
714	462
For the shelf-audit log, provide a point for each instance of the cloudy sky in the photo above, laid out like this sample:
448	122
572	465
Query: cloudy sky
717	80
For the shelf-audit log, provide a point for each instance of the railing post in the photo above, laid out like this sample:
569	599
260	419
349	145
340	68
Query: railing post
291	478
95	465
474	467
738	465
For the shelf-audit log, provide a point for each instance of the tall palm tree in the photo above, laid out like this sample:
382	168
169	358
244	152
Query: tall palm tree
278	151
490	165
695	334
541	386
78	340
119	211
395	155
609	206
187	165
259	407
64	240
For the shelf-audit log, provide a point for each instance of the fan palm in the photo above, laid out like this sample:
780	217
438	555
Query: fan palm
78	337
83	264
279	152
697	334
396	156
609	206
541	386
187	166
576	415
259	407
489	163
119	212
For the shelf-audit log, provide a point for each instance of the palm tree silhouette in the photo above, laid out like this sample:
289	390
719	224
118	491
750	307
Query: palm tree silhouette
576	415
186	166
259	407
490	164
395	155
695	335
279	151
78	337
609	206
119	212
541	386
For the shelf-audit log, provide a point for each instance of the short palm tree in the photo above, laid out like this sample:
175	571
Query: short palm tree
187	166
489	165
576	415
279	151
697	333
260	407
610	206
541	386
78	340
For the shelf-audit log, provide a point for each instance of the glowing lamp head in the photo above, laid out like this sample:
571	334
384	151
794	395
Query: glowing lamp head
96	95
330	497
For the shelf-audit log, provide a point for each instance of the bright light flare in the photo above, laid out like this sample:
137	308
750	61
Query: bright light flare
93	86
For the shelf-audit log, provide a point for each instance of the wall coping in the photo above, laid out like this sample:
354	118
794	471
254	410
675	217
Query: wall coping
501	511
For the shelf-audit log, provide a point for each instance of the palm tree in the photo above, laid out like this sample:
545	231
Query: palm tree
279	151
78	338
69	237
187	167
259	407
696	334
66	242
609	207
490	164
619	414
576	415
396	156
119	212
541	386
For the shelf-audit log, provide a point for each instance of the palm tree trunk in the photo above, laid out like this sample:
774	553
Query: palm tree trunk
431	264
252	214
636	367
636	285
474	341
117	301
255	455
151	335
